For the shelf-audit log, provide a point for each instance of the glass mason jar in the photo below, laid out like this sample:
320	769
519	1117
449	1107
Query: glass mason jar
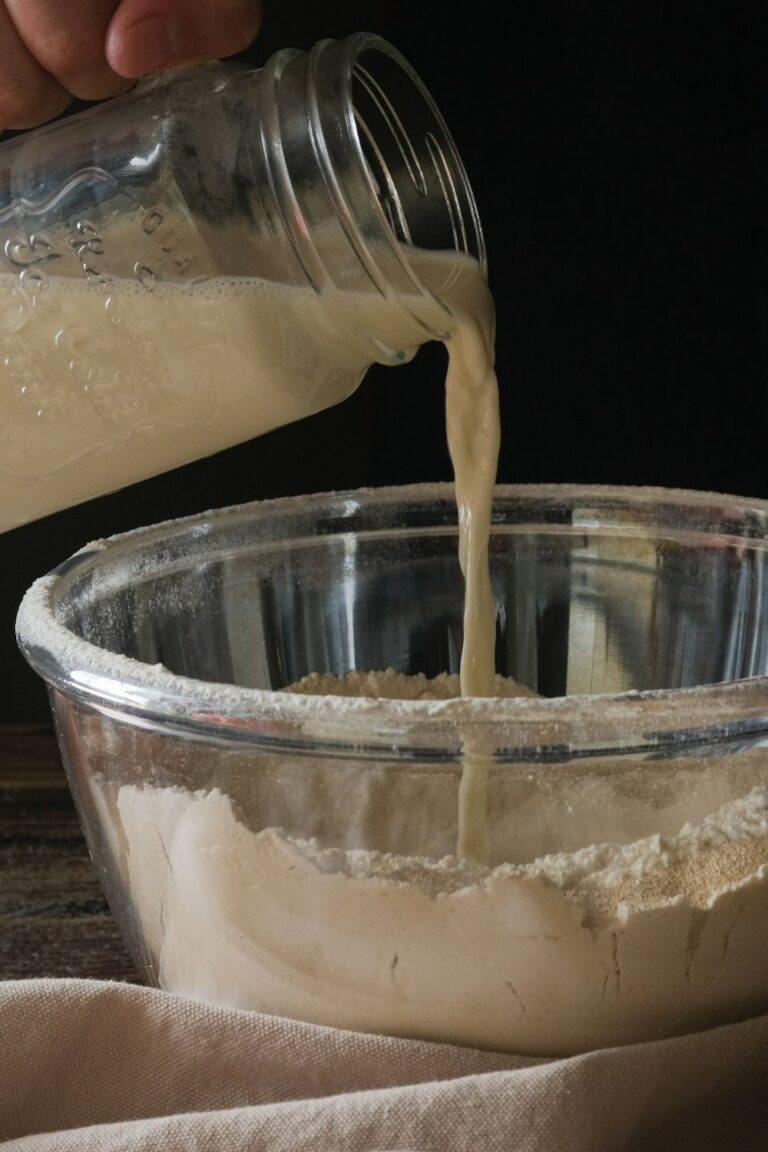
219	252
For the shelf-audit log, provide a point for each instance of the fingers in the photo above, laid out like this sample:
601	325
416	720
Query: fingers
51	50
28	95
67	40
152	35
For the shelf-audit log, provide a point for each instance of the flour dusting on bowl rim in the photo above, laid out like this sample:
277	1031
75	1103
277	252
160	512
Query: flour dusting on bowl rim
574	725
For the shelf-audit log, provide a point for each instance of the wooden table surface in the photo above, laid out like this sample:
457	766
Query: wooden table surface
54	920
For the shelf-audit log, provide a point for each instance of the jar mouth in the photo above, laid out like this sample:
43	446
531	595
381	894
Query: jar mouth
417	182
367	179
401	133
55	640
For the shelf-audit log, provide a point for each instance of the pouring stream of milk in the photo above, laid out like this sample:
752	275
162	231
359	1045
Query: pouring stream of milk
473	428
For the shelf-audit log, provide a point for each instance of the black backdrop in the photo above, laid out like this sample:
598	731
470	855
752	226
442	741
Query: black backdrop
618	155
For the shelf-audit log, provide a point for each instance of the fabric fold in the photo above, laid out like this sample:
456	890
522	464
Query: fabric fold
91	1065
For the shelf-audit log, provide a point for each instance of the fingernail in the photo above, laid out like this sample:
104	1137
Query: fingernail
154	43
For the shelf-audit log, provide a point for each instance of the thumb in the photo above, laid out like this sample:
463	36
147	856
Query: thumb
152	35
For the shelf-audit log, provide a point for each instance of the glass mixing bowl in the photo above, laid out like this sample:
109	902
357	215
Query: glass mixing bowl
296	853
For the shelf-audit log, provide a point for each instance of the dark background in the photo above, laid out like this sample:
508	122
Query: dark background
618	155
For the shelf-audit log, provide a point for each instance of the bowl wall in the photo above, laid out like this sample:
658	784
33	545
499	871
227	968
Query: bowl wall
297	855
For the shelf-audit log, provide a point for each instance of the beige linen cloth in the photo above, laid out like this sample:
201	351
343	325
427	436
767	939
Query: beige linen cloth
87	1065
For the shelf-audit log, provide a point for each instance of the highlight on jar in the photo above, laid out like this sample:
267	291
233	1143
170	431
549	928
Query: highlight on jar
293	808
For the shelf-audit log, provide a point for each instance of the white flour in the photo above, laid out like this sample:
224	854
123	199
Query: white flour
664	930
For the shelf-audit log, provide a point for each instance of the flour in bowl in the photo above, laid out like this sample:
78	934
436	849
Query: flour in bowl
543	951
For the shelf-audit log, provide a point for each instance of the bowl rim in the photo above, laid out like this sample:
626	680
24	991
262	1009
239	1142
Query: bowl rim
647	721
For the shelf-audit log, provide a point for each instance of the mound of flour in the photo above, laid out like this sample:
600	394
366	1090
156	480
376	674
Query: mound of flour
341	905
392	685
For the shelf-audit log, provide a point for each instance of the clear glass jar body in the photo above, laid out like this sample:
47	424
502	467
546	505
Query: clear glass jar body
217	253
296	854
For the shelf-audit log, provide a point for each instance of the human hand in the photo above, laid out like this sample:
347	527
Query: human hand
54	50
